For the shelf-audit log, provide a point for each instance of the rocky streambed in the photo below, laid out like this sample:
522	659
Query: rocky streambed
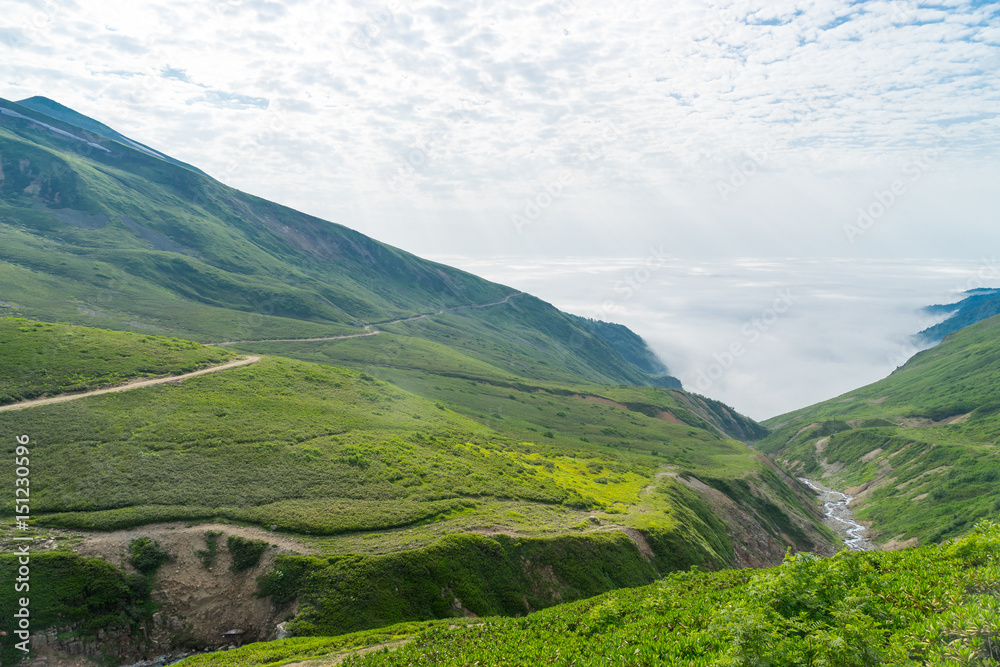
839	517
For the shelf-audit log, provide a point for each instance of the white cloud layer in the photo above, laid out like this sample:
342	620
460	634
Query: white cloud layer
733	128
765	336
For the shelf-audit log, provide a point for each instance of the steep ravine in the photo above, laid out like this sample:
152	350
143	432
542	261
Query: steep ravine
839	517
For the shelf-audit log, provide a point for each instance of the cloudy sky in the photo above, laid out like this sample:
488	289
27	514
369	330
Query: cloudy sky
571	127
566	128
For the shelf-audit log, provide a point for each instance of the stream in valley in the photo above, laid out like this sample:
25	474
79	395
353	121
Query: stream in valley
839	517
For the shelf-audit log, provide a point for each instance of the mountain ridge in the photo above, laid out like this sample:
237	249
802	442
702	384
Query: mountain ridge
978	304
269	260
51	108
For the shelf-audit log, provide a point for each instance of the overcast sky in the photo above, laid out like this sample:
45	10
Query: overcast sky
704	131
572	127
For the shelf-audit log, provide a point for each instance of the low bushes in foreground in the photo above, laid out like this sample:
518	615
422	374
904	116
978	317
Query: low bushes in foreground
934	605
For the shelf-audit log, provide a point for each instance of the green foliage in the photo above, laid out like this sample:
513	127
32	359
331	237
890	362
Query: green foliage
245	553
126	517
147	555
487	576
927	606
282	651
69	590
207	555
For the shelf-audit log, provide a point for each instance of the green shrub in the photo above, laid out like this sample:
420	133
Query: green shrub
147	555
207	555
246	553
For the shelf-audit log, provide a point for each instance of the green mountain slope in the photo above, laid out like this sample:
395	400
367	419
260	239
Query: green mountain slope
919	448
42	359
420	492
98	232
632	347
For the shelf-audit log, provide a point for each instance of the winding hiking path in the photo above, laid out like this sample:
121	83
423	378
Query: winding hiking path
368	327
129	385
138	384
294	340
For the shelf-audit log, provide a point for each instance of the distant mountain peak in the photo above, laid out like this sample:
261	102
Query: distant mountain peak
978	304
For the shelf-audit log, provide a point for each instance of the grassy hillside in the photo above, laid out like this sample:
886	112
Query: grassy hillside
927	606
632	347
326	449
919	448
53	109
119	238
42	358
502	494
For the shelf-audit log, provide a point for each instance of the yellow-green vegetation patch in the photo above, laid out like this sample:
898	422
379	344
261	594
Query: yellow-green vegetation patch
600	481
44	358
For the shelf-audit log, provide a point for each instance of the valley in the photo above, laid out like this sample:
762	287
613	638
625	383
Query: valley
250	426
917	450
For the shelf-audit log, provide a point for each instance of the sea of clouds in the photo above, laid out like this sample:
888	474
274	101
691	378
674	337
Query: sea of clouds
765	336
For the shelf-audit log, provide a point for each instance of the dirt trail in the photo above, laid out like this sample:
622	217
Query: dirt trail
128	386
368	327
294	340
